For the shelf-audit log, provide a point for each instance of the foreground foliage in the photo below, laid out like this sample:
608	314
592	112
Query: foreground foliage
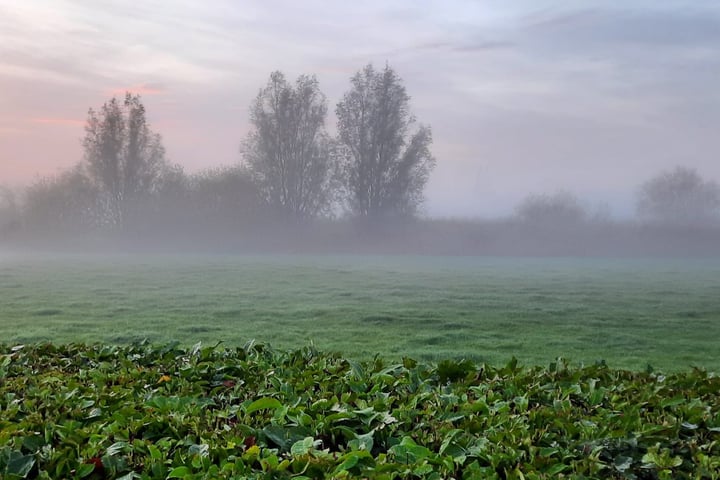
76	411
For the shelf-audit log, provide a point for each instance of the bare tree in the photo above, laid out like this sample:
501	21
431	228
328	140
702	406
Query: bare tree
386	166
124	158
287	151
679	197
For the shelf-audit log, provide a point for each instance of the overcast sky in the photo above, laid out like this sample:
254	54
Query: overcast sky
522	96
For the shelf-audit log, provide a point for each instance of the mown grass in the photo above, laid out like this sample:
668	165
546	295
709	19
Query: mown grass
630	313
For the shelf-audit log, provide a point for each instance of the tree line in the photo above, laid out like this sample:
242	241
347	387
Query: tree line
680	197
292	171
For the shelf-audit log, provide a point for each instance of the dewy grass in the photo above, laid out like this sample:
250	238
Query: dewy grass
630	313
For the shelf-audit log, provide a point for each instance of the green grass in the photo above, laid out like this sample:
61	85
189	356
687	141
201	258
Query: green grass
630	313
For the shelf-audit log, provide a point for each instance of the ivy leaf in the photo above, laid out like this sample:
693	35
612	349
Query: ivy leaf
18	465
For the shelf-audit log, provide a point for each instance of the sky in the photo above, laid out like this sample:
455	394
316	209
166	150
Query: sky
591	97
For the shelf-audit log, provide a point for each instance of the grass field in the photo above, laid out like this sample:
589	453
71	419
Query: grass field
630	313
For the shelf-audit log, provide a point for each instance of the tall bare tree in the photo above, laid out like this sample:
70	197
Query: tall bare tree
387	164
287	150
124	157
679	197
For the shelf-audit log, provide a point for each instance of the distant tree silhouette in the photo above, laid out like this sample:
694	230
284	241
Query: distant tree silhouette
552	210
65	203
124	158
225	196
679	197
287	150
9	210
385	163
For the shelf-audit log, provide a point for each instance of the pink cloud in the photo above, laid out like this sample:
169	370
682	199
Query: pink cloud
12	131
67	122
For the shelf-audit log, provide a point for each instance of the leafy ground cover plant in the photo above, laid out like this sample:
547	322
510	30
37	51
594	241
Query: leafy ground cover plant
146	412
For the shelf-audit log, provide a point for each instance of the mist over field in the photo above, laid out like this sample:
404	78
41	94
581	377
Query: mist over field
453	133
442	155
210	218
409	239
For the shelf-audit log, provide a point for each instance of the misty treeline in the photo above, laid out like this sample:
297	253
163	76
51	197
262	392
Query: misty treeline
298	188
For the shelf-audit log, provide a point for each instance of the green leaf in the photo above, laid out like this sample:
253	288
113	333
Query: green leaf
202	450
423	470
673	402
284	437
351	459
362	442
117	447
18	464
129	476
155	453
4	365
302	447
179	472
449	438
263	403
407	451
33	443
556	469
623	463
85	469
